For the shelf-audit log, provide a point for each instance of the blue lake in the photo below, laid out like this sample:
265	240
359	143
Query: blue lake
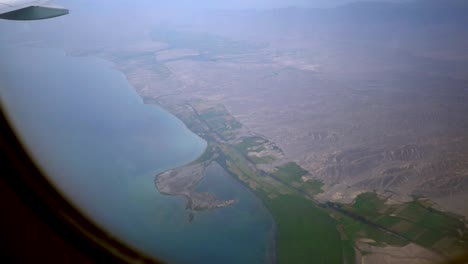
101	147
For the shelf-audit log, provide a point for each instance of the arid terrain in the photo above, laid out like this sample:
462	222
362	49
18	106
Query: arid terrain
359	116
361	111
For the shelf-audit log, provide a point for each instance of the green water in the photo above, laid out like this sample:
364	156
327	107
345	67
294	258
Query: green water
101	147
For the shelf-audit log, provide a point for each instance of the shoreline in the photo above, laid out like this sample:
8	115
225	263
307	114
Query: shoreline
243	172
182	181
270	254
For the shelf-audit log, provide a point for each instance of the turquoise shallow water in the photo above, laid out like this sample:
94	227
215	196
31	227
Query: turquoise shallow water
101	147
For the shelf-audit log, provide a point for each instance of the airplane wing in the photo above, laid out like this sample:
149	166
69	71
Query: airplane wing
29	10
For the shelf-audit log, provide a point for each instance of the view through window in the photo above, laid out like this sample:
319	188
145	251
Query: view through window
252	131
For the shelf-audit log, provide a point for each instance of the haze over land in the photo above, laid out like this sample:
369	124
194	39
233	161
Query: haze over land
360	109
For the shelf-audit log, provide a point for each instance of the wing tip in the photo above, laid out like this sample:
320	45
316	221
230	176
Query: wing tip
35	13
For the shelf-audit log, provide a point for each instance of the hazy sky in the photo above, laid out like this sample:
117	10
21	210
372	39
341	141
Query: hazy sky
221	4
265	3
259	3
268	3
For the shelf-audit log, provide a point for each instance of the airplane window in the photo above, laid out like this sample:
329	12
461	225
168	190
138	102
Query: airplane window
249	131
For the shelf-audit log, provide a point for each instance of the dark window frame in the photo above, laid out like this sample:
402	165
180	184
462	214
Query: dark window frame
28	182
